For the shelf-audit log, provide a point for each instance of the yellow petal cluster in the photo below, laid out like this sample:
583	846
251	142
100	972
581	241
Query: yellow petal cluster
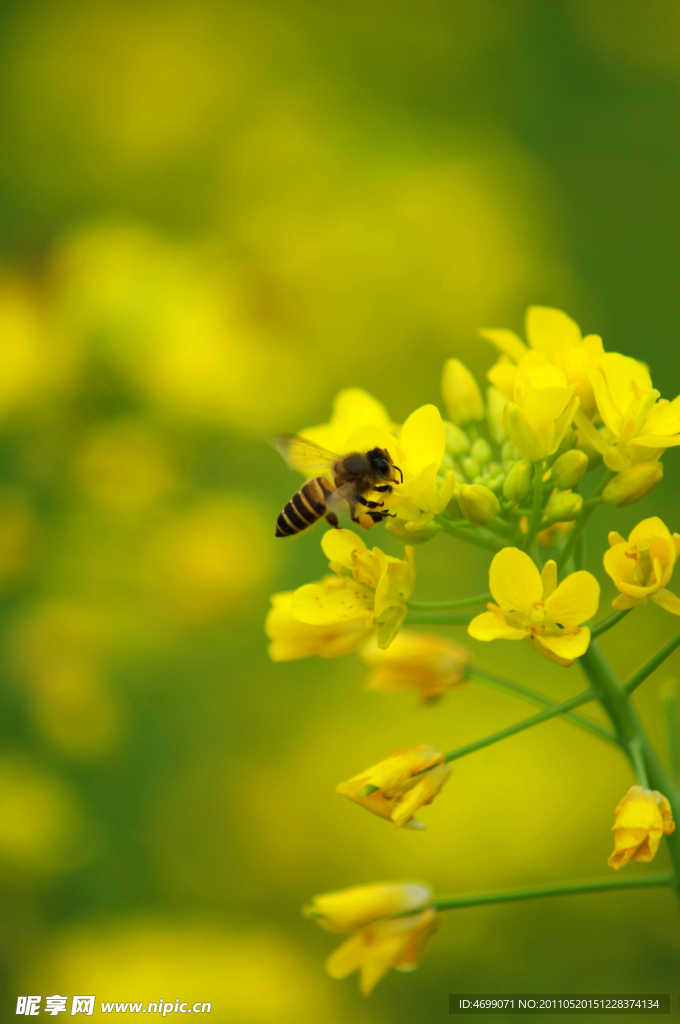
642	566
557	337
367	596
532	606
382	939
397	787
640	820
359	422
431	666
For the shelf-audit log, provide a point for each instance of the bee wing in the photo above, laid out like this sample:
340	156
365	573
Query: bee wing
304	455
340	494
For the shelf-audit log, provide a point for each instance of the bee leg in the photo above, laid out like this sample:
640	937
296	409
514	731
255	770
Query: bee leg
368	504
383	488
333	520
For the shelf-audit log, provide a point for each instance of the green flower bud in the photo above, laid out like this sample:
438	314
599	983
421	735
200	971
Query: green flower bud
633	484
398	527
457	441
461	393
569	469
509	453
478	504
471	468
495	403
495	483
518	481
563	507
481	451
447	466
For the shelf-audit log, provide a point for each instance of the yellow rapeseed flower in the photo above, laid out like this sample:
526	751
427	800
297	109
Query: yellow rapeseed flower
640	820
461	392
540	404
643	565
532	607
348	910
292	639
396	787
642	424
398	943
430	665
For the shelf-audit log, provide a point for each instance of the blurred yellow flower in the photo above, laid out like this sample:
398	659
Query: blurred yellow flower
642	566
398	786
640	820
398	943
555	335
429	665
532	607
540	407
461	392
292	639
642	424
347	910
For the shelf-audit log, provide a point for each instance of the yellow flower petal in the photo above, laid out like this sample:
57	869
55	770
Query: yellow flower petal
492	626
568	646
506	342
334	600
668	601
340	546
514	580
575	601
548	329
423	438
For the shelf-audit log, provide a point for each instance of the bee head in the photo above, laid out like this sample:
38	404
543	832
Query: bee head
382	463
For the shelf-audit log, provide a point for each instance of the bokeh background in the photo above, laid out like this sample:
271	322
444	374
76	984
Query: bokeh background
213	215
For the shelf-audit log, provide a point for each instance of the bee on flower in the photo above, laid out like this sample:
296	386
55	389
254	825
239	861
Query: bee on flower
397	787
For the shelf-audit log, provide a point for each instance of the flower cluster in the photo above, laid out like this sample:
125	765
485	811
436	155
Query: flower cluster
503	473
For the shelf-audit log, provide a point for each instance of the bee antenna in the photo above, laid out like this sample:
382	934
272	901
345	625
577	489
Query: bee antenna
400	474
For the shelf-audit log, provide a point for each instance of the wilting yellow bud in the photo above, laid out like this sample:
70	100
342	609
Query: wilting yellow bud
640	820
569	469
461	393
633	484
347	910
478	504
518	481
643	565
398	943
457	441
430	665
396	787
563	507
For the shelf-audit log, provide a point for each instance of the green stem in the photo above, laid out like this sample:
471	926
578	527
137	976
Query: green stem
440	606
581	523
470	536
580	553
670	701
536	503
607	623
425	619
527	723
635	748
489	679
628	727
558	889
653	663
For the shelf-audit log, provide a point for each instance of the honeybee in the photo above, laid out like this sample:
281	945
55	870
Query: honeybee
354	475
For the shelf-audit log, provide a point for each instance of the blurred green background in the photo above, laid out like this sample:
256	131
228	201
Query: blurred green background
213	216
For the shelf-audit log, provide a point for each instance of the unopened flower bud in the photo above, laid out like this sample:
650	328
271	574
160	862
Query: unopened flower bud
457	441
478	504
633	484
563	507
569	469
471	468
509	452
461	393
446	466
481	451
400	528
518	481
495	403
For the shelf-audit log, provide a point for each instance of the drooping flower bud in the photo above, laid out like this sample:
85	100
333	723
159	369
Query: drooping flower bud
563	507
478	504
461	393
633	484
518	481
569	469
457	441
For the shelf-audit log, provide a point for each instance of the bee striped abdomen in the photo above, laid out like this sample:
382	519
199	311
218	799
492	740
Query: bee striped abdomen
304	509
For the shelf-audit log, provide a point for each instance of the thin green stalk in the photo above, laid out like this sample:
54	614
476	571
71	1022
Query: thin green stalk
635	748
440	606
670	702
581	523
470	536
536	503
653	663
607	623
557	889
489	679
580	553
425	619
527	723
628	727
